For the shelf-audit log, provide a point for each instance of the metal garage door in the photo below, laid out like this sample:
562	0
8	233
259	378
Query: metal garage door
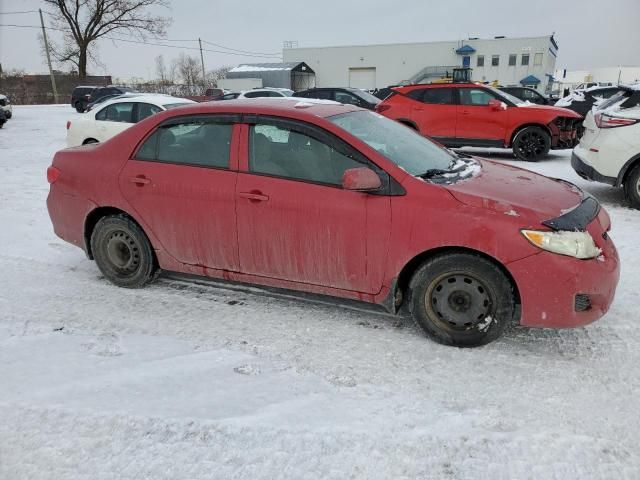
362	78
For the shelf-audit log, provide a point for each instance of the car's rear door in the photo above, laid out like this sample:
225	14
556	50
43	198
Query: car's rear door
295	222
181	182
479	123
434	111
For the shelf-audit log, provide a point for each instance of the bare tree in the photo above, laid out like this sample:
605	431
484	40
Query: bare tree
218	74
161	70
189	69
86	21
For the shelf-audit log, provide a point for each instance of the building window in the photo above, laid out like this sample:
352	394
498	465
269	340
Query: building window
537	59
512	60
525	59
495	60
480	61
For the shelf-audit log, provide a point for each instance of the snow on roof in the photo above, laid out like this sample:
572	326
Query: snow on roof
264	67
155	99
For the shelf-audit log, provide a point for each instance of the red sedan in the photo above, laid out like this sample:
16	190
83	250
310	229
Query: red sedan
327	198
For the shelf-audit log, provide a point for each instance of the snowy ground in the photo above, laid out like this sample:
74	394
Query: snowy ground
190	381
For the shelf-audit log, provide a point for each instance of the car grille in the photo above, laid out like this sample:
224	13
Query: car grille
583	302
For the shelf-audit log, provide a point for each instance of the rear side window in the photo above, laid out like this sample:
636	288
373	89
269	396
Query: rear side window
439	96
117	112
203	143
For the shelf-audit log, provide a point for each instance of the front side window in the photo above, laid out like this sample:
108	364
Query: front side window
439	96
512	60
287	153
475	97
480	61
495	60
201	142
537	59
399	144
525	59
116	112
347	98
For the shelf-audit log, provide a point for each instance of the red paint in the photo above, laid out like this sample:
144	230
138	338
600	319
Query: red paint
478	122
284	233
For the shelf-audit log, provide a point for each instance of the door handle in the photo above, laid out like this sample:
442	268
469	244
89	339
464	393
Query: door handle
254	196
140	180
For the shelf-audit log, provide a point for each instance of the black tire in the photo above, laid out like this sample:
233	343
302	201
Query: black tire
80	107
531	144
1	124
461	299
123	252
8	115
632	187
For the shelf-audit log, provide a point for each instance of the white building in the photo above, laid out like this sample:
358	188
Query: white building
526	61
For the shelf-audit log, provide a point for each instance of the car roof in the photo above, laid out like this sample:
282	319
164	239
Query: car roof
294	107
154	99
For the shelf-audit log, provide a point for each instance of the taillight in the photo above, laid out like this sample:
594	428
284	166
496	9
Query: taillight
52	174
606	121
381	107
68	124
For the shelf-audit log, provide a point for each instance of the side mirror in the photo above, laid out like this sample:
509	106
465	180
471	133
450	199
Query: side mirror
360	179
496	104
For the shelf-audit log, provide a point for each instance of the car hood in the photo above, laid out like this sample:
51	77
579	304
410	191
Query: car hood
517	192
565	112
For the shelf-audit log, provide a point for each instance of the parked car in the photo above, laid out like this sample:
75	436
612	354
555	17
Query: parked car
98	93
266	92
227	96
333	199
80	97
349	96
609	151
527	94
5	105
468	114
582	101
117	115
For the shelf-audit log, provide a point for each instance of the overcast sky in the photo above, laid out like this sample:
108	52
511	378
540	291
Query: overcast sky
590	33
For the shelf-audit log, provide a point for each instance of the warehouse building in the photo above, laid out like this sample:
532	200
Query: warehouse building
528	61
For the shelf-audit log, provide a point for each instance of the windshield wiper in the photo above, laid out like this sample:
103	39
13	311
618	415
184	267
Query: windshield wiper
433	172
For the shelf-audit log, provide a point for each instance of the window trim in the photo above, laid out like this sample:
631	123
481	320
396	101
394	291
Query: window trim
514	57
389	186
494	57
478	57
224	118
522	57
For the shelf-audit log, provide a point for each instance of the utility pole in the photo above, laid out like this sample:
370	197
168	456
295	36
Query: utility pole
46	47
204	81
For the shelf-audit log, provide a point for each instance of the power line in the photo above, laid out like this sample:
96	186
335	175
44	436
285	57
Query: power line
18	13
140	42
241	51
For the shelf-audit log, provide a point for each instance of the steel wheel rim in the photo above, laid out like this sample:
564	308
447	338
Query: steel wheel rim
123	253
531	144
459	301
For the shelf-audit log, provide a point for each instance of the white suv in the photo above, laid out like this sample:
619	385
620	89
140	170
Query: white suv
609	151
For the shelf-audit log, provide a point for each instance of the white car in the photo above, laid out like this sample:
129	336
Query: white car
5	105
609	151
115	116
266	92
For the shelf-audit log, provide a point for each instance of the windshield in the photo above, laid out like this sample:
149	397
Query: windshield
403	146
505	95
366	96
287	93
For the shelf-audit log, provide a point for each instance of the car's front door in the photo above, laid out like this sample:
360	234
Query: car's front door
435	112
478	121
181	182
295	222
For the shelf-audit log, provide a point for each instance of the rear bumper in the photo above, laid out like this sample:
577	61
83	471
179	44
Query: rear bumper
549	283
586	171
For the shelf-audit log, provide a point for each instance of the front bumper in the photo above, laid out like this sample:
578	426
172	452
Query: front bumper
549	283
586	171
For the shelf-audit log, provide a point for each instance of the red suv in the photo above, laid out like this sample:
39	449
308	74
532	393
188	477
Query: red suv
327	198
467	114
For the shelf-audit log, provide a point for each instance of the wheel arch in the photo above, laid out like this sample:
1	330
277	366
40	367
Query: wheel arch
408	123
94	217
519	128
626	169
402	283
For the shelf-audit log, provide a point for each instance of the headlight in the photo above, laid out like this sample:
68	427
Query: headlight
574	244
